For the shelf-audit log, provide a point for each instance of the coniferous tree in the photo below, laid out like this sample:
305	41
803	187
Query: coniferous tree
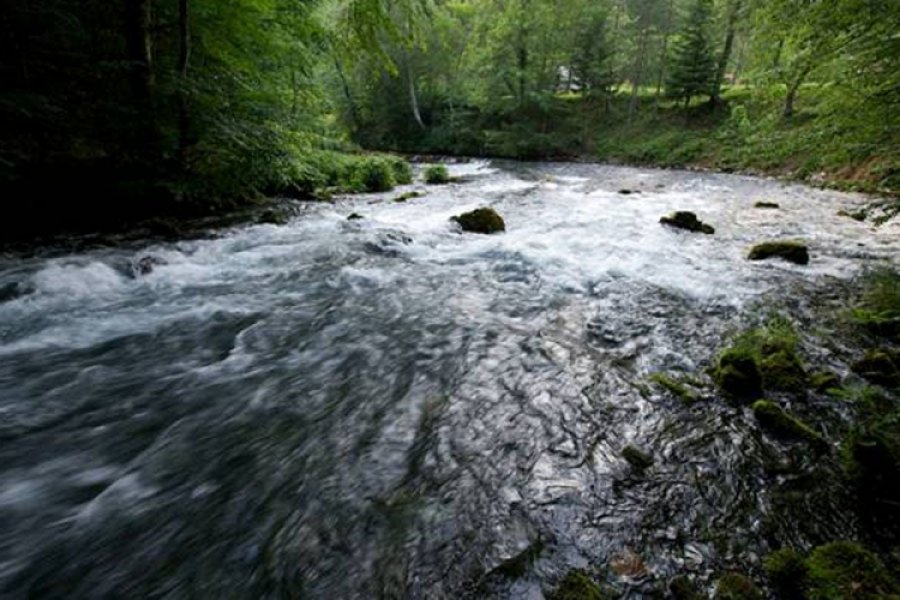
693	67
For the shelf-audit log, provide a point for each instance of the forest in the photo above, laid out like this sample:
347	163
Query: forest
147	107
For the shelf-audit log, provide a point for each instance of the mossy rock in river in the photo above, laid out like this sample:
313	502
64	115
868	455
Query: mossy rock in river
436	174
637	458
787	571
881	366
795	252
824	381
481	220
782	370
578	585
734	586
738	375
683	219
780	423
871	456
847	571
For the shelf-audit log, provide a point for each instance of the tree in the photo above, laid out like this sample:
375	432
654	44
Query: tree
693	67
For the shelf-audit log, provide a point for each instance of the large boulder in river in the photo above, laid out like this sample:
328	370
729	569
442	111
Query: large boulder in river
683	219
795	252
481	220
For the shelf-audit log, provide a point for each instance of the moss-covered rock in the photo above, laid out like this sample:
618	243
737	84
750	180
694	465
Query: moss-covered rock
577	585
881	366
408	196
879	307
824	380
435	174
273	217
481	220
737	374
871	455
780	423
677	388
786	571
769	205
847	571
734	586
682	588
782	370
687	220
637	458
795	252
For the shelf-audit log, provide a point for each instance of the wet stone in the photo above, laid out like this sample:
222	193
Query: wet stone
688	221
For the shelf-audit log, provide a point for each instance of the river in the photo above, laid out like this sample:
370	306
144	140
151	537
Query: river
387	407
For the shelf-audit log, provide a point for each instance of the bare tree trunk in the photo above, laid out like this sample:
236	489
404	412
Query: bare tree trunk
734	11
184	57
638	75
351	103
413	100
663	55
139	44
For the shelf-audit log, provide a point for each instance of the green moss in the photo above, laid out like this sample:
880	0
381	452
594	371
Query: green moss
408	196
682	588
734	586
786	570
795	252
437	174
871	456
677	388
824	380
763	204
637	458
847	571
577	585
761	358
881	366
780	423
688	221
879	308
481	220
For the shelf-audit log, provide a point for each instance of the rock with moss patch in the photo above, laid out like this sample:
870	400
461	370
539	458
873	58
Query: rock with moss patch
791	251
408	196
780	423
675	387
481	220
871	455
881	366
737	374
847	571
577	585
683	219
786	571
273	217
768	205
824	381
734	586
637	458
782	370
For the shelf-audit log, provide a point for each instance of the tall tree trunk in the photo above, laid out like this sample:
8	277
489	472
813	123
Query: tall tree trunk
411	85
184	57
664	53
139	46
793	88
351	103
734	11
637	80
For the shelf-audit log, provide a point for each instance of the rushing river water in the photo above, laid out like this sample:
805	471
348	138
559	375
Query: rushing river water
388	408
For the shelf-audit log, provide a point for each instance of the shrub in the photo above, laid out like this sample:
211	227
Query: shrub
437	174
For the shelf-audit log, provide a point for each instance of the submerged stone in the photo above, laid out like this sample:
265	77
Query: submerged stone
795	252
577	585
146	264
786	570
408	196
682	588
688	221
846	570
763	204
518	565
677	388
881	366
481	220
780	423
637	458
734	586
273	217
